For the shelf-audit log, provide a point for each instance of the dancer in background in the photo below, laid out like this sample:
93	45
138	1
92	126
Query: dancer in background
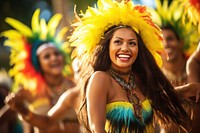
180	40
41	69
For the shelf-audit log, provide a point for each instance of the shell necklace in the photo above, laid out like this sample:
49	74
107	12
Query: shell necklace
129	88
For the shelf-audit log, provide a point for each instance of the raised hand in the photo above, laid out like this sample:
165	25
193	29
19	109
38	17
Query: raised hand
16	101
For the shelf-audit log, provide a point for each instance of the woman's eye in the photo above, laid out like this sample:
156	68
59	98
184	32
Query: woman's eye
133	43
47	56
57	54
117	42
170	39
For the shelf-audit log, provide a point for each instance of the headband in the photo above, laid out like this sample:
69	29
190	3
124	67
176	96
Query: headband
43	47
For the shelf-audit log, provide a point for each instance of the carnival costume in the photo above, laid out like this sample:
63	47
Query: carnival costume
91	27
25	43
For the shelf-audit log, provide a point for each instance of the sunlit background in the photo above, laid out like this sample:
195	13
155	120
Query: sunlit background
23	10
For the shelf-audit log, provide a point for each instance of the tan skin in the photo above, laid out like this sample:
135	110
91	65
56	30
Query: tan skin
193	72
193	66
123	51
123	44
174	50
189	90
175	63
67	103
98	93
51	63
172	46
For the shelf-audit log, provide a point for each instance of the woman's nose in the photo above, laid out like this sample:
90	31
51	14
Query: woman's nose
53	57
125	47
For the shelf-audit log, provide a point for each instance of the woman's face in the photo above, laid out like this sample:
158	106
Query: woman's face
51	61
123	49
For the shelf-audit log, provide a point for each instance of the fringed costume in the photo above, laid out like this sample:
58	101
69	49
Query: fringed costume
120	118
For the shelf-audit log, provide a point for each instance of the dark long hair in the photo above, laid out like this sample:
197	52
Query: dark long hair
153	83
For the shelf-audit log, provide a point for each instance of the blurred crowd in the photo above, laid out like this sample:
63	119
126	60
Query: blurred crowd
42	92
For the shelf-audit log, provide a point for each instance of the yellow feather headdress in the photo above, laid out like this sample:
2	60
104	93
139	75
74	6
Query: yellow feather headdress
172	15
24	42
108	13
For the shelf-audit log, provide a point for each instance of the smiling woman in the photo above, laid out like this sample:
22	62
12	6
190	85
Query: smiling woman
123	49
40	58
120	70
50	59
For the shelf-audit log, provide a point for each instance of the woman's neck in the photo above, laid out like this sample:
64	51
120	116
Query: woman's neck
54	80
123	74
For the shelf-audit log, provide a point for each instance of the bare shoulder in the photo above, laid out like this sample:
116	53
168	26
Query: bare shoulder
99	81
197	53
195	57
100	75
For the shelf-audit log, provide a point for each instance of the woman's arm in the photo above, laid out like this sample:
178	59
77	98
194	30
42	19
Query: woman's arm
41	121
16	102
189	90
96	94
193	66
66	105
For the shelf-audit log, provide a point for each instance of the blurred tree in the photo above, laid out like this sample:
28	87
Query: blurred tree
66	8
83	5
63	7
19	9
